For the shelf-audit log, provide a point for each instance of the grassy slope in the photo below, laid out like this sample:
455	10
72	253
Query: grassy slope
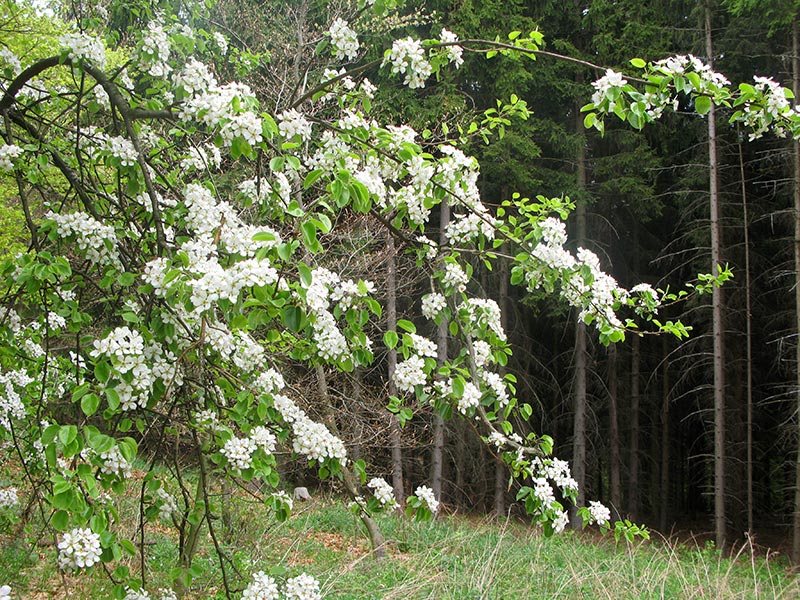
453	558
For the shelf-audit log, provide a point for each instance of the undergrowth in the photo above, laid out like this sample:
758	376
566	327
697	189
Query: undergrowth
454	557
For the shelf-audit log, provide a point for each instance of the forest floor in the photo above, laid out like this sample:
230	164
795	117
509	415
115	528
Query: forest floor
456	557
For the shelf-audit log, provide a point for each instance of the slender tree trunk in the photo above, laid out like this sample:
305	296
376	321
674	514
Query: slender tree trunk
438	422
500	474
633	483
663	509
349	478
579	382
395	435
614	466
796	88
717	315
748	348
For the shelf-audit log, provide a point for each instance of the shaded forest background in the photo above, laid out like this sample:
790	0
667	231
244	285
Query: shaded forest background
643	206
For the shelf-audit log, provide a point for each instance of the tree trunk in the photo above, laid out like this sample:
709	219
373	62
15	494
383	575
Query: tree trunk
748	348
579	381
395	435
349	479
663	509
438	422
717	314
633	483
614	466
796	88
500	474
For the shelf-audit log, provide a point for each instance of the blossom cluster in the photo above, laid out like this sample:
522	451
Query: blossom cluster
772	104
98	242
454	53
426	495
122	149
11	405
324	289
156	50
407	57
239	452
344	41
311	439
114	463
600	514
432	305
82	46
136	365
78	549
10	59
8	154
584	284
382	491
167	507
264	587
8	497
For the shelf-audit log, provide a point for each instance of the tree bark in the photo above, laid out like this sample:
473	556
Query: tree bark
748	348
438	423
348	477
717	304
614	466
663	509
633	482
395	434
500	475
579	381
796	88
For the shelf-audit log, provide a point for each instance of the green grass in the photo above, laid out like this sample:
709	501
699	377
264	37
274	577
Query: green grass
455	557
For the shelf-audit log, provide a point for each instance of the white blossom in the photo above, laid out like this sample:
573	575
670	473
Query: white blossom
239	452
292	123
82	46
263	587
382	491
455	54
599	513
344	41
471	397
425	494
408	57
302	587
8	154
8	497
78	549
410	373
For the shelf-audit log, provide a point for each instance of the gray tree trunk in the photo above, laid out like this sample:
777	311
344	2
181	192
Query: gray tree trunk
717	303
614	462
395	434
796	89
663	512
579	382
438	423
633	482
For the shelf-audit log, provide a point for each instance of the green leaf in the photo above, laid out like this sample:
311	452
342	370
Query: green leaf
102	371
702	104
60	520
264	236
407	326
390	339
310	241
89	404
638	63
293	318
